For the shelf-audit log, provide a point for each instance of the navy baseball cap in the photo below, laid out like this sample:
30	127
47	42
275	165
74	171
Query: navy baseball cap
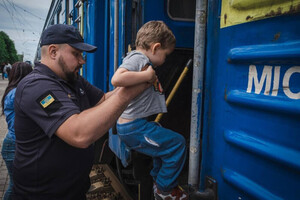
65	34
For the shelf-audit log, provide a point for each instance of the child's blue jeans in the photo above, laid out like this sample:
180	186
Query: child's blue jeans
8	154
166	147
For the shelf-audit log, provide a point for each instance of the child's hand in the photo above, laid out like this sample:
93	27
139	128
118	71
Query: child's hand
152	75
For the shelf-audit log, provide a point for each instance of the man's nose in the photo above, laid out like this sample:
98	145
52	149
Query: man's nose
81	60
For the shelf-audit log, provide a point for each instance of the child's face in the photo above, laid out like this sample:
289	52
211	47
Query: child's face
158	57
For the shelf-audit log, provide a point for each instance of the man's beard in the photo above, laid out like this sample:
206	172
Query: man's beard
70	76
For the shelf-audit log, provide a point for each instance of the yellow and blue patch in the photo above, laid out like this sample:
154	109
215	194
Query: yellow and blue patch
47	101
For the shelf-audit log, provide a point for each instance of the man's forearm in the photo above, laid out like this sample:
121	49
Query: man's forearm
83	129
107	95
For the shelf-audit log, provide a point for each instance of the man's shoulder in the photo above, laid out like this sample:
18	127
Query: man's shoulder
35	76
34	83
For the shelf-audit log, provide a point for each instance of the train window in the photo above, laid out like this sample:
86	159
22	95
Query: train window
62	18
182	10
69	11
57	17
79	11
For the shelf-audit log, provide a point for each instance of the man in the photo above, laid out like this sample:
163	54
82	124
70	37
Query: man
58	117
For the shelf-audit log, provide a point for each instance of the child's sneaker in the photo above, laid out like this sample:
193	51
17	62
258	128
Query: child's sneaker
176	194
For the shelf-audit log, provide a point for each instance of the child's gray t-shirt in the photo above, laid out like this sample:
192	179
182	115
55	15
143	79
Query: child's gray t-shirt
148	102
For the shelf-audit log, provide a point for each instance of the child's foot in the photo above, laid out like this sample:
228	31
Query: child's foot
176	194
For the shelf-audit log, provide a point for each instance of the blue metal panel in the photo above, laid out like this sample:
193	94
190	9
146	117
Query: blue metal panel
121	38
122	50
252	108
106	45
89	34
111	43
94	33
156	10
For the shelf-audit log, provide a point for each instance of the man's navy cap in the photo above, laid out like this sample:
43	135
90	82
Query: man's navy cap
65	34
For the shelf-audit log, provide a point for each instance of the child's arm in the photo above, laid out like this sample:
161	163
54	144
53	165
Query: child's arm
124	78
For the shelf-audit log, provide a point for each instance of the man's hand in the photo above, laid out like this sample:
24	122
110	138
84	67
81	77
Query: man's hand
83	129
130	92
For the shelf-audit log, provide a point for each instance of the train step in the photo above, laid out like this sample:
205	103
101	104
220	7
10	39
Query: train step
105	185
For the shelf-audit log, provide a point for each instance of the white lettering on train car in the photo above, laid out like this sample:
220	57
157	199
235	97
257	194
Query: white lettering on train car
266	78
266	74
286	80
276	81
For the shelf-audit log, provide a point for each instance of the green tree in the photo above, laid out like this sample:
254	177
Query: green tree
3	53
8	51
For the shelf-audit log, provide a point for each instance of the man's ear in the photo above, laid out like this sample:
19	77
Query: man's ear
52	50
155	47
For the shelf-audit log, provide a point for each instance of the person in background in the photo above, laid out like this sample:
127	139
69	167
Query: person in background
1	70
58	117
6	70
154	42
18	71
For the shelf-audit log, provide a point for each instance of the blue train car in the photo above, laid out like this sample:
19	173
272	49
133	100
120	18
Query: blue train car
238	106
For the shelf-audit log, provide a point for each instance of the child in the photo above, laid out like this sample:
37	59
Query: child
154	42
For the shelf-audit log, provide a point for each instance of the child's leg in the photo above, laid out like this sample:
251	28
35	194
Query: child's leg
158	142
171	151
156	167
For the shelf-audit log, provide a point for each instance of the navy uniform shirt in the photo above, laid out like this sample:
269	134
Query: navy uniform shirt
46	167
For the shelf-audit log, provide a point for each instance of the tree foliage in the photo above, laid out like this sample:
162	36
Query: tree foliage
8	53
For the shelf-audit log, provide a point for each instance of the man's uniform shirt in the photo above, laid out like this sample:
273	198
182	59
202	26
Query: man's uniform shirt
45	166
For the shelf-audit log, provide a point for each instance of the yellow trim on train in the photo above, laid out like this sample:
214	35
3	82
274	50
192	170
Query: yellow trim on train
242	11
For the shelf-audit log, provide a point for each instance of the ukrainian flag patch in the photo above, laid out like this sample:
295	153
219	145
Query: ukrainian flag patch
47	101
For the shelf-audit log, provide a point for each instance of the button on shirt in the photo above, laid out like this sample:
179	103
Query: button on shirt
46	167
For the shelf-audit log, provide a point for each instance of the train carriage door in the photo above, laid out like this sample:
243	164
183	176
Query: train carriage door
179	15
126	17
252	99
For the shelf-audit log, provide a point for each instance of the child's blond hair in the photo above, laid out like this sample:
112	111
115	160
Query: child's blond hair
155	32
